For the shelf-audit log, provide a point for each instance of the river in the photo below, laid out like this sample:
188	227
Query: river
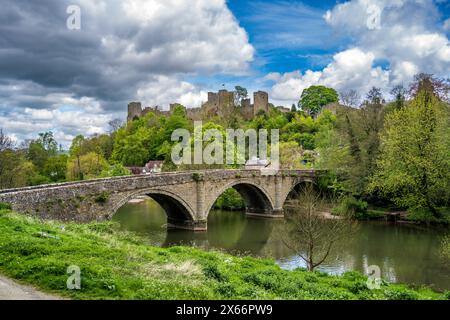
404	253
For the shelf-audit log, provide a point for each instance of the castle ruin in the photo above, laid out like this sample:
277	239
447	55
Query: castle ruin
218	104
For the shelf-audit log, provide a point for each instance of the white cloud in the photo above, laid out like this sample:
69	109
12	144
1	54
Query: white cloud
173	36
125	50
164	90
405	36
349	69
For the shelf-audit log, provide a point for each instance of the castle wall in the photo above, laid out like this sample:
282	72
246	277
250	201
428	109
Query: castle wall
218	104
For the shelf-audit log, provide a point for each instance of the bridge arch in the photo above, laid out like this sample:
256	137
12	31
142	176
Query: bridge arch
256	198
295	188
179	213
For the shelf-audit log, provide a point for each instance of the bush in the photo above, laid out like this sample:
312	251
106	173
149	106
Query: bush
230	200
447	295
5	206
425	215
400	294
102	197
352	207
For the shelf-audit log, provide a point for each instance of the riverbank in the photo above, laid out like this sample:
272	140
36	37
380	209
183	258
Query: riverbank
121	265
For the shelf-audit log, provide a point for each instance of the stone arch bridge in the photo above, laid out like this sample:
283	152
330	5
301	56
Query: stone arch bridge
187	197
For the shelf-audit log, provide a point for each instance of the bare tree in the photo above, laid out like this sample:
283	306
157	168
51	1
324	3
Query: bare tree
439	86
5	141
115	124
350	98
311	234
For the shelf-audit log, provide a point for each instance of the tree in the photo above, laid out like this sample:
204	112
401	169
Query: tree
399	93
91	166
293	108
306	232
350	98
41	149
241	93
440	87
414	165
115	124
315	97
55	168
374	96
5	141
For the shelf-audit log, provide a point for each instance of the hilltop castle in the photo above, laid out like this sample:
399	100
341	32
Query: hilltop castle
218	104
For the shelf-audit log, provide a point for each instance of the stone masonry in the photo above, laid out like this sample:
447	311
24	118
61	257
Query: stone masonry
187	197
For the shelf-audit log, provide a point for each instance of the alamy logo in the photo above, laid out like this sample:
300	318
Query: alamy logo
74	280
73	22
374	279
211	146
374	19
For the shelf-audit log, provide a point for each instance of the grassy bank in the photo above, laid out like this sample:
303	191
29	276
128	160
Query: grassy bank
120	265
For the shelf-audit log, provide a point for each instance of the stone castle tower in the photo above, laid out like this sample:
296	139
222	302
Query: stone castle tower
260	102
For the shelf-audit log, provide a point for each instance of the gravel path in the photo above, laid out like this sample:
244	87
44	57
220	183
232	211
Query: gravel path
11	290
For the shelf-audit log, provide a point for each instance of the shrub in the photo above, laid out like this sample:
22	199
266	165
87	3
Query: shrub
211	271
197	176
5	206
230	200
102	197
425	215
352	207
400	294
447	295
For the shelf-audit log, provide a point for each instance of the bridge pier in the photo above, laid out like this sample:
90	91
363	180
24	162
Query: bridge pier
274	214
199	225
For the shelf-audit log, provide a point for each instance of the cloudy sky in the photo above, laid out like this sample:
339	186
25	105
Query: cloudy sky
74	81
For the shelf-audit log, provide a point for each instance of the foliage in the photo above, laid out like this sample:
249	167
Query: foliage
315	97
5	206
87	166
55	168
115	170
352	208
414	166
121	265
102	197
230	200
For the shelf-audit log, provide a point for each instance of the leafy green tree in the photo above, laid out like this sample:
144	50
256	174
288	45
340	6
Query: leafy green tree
91	166
115	170
55	168
414	165
315	97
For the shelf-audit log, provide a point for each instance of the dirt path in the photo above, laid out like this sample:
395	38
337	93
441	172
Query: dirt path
11	290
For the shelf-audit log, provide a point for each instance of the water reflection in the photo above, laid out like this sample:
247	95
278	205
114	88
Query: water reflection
404	253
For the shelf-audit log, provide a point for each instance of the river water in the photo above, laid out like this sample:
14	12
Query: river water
404	253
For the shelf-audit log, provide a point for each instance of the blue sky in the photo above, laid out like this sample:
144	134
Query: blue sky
290	35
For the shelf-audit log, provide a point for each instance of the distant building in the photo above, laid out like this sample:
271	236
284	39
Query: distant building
256	163
154	166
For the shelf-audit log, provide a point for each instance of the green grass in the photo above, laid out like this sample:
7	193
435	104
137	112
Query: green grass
120	265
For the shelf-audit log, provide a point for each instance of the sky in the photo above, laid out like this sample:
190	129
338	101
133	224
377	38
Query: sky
74	80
